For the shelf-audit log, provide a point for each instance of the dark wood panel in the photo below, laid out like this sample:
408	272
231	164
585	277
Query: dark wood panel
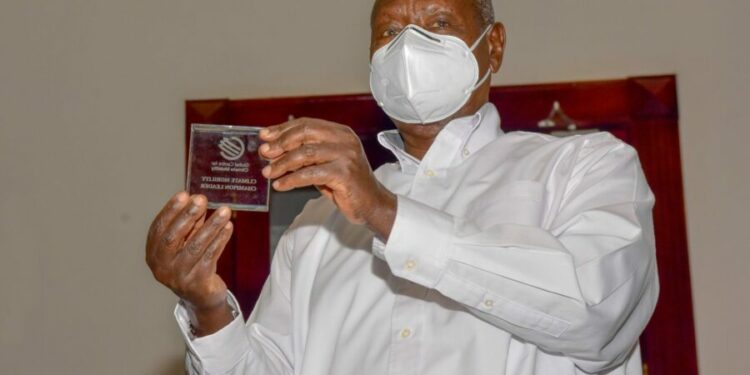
669	340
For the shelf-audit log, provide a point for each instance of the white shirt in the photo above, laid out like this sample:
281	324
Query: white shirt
514	253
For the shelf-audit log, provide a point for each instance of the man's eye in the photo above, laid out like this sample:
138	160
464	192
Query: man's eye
390	33
440	24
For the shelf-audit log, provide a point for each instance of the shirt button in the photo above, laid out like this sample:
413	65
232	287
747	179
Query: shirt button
489	303
405	333
410	265
429	173
466	152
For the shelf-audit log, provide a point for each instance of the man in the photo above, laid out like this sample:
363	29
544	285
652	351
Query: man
477	253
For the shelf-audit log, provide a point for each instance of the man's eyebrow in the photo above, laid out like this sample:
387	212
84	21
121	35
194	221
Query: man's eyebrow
437	9
385	16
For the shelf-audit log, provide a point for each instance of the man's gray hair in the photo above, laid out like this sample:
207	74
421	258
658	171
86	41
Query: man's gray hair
486	12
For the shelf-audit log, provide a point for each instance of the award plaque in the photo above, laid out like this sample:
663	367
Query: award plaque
224	165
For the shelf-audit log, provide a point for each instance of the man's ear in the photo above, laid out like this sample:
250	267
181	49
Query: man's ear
497	46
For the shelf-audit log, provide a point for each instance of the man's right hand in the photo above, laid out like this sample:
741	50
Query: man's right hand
182	250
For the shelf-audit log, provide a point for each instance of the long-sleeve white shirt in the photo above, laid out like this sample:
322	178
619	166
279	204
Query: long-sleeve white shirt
514	253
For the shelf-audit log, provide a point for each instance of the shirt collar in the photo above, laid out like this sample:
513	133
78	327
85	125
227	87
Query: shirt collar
458	140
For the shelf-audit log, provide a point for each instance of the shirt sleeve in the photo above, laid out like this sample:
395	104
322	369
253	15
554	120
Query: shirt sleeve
262	345
585	286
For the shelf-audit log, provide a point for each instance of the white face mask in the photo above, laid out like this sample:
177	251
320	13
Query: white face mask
422	77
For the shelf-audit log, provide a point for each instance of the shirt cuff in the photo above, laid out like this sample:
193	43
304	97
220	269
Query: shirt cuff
220	351
378	247
418	245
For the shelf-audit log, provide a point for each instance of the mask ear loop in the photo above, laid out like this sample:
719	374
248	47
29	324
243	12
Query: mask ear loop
489	70
481	81
484	34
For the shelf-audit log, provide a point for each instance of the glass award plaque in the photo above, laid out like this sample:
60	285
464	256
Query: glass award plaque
224	165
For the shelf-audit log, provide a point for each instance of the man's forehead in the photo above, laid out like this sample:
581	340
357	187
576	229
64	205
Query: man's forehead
406	7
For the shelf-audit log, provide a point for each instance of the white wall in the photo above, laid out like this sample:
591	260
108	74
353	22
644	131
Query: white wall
91	144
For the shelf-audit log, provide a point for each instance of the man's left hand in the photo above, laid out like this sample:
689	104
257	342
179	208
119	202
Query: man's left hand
329	156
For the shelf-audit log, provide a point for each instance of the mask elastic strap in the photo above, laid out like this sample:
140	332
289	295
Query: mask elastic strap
489	70
486	31
481	81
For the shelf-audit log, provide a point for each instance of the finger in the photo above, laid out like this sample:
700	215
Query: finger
305	155
273	149
168	212
270	133
182	224
313	175
196	226
306	131
195	248
206	265
154	239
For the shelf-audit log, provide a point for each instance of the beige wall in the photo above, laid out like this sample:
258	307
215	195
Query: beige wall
91	111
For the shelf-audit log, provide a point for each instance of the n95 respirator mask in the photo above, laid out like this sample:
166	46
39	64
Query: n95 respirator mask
421	77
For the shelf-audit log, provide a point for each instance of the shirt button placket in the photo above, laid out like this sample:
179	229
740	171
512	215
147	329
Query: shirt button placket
405	351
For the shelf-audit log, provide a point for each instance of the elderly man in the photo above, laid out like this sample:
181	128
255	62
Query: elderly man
479	252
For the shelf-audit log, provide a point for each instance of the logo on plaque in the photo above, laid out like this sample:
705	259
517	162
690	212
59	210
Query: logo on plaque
231	148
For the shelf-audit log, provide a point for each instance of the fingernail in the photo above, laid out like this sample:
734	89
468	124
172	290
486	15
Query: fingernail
266	171
265	132
276	185
195	205
265	148
228	226
223	211
179	200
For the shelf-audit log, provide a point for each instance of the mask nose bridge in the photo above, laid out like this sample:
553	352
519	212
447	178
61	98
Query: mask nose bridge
392	44
427	35
423	32
415	29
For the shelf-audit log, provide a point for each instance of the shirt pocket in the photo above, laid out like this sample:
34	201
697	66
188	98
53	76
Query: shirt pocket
519	202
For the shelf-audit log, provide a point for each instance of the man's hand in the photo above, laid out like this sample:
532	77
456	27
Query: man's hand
311	152
182	250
